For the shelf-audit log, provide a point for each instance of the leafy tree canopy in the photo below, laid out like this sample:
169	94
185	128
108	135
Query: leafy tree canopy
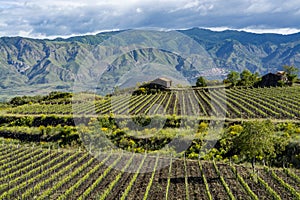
233	78
291	73
201	82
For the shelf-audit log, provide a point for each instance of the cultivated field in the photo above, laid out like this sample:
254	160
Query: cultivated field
52	166
36	173
236	103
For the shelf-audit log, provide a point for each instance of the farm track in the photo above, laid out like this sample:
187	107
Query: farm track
102	177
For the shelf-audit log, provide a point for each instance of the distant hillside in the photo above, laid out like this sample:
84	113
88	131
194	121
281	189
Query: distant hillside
237	50
33	65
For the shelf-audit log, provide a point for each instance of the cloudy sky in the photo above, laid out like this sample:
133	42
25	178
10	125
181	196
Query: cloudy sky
51	18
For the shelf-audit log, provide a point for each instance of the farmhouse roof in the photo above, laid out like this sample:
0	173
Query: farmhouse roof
280	72
163	79
162	82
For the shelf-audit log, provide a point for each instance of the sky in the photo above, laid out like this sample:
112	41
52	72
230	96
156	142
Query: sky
64	18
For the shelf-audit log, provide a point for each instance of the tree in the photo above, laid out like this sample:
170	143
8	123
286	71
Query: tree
248	79
256	141
233	78
245	78
201	82
291	73
255	78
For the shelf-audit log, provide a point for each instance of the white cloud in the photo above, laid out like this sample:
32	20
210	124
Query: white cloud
283	31
259	6
139	10
68	17
259	30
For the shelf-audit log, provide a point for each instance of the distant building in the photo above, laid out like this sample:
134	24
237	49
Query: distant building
162	82
154	86
280	73
272	79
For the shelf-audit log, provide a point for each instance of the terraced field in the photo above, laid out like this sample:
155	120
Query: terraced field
274	103
37	173
28	172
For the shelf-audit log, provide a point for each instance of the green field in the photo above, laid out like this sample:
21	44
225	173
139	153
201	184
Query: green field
236	103
49	145
39	173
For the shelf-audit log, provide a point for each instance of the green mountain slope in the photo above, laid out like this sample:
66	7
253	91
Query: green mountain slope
237	50
31	64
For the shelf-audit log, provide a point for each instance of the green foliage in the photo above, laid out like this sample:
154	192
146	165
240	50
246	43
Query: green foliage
106	121
257	140
233	78
62	135
278	145
141	90
201	82
147	88
291	73
248	79
58	95
17	101
52	97
281	83
23	121
68	136
245	78
227	145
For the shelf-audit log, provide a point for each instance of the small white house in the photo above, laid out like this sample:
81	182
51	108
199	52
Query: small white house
166	83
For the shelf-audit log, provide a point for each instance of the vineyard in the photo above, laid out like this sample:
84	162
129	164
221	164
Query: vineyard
235	103
43	153
39	173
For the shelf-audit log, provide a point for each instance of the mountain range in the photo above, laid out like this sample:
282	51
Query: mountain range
32	66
